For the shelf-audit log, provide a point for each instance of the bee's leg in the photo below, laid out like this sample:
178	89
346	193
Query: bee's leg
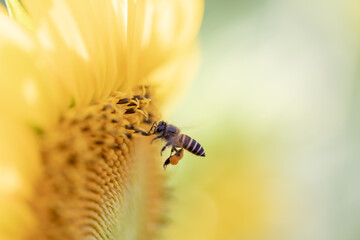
166	163
160	136
163	149
148	133
177	151
142	132
153	126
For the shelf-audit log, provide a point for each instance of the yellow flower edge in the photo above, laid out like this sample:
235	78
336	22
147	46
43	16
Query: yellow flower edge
70	165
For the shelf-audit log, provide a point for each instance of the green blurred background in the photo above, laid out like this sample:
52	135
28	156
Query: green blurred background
276	107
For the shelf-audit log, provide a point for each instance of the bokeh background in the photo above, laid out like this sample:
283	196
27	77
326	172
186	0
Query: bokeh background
276	106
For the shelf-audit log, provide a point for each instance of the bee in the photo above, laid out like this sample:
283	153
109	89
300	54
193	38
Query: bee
175	139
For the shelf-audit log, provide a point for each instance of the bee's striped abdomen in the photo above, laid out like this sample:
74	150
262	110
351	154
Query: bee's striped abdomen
191	145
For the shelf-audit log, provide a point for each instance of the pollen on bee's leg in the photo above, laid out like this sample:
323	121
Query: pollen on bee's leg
174	159
90	162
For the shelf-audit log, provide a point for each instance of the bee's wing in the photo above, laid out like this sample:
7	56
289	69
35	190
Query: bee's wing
190	127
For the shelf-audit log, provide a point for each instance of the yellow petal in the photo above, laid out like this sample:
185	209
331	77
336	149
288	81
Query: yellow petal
158	31
19	169
105	46
27	89
17	12
174	76
83	45
3	9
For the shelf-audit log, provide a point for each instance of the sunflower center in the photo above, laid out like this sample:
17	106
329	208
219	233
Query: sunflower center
96	170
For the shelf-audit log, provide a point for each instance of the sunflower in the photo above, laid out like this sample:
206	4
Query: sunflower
77	78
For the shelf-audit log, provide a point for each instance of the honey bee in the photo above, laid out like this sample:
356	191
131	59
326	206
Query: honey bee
175	139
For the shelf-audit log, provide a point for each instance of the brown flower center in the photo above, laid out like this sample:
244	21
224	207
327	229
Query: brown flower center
100	180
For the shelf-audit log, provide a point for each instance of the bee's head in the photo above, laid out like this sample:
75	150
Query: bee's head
160	127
